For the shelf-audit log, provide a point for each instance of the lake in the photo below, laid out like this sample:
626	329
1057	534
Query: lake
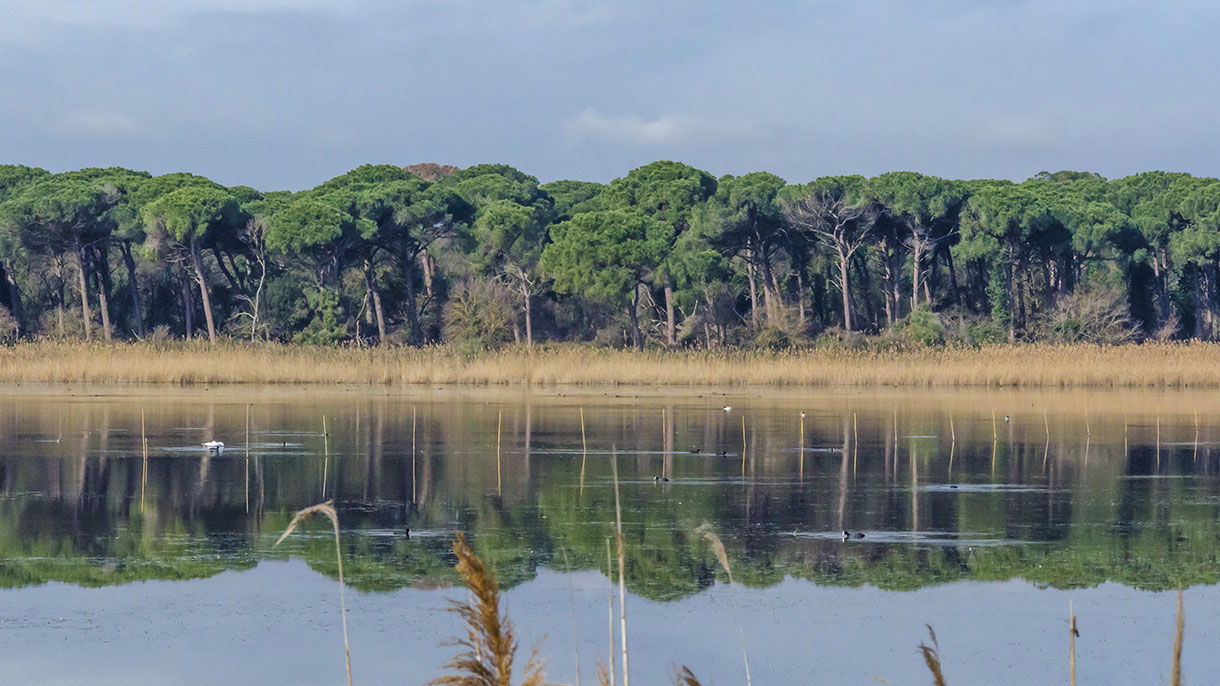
983	514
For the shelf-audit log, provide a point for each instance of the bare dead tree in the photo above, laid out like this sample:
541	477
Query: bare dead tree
830	213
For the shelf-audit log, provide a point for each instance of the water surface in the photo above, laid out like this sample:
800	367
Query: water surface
983	514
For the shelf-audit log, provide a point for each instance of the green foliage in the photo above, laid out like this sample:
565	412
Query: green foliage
603	255
573	197
574	255
772	338
325	325
187	215
924	327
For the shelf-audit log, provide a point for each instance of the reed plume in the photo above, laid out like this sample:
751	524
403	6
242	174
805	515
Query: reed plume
328	510
684	677
485	656
705	530
931	657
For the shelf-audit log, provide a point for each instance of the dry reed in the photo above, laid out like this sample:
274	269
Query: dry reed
486	653
931	657
705	530
684	677
328	510
1152	365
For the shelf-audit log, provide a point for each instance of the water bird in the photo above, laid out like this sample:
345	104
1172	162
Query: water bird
848	534
724	453
695	451
407	531
727	408
659	479
214	445
953	486
1005	417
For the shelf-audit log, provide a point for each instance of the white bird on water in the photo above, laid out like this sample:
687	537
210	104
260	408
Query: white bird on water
214	445
728	408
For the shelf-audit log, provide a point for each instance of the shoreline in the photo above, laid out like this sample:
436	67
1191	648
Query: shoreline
1148	365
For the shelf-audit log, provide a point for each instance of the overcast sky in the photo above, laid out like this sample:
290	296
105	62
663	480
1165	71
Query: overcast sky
287	93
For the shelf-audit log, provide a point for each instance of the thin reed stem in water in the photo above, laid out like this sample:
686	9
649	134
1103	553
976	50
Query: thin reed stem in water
622	568
413	454
1072	634
1175	674
705	530
328	510
247	458
144	470
610	605
584	451
743	446
326	459
572	601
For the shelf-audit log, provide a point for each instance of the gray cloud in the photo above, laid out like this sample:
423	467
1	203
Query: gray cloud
286	93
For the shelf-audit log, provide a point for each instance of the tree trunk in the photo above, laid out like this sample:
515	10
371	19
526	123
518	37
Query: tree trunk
1012	303
425	261
104	285
633	315
380	313
670	333
1200	306
14	297
864	277
203	291
103	305
408	274
370	285
750	276
800	297
220	263
188	310
258	294
955	293
84	292
770	296
525	306
916	269
844	261
133	287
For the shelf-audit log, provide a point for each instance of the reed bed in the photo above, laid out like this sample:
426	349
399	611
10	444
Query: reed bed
1167	365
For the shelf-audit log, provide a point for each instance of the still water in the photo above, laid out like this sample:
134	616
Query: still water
983	512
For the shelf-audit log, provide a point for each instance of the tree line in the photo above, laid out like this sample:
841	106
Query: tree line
665	256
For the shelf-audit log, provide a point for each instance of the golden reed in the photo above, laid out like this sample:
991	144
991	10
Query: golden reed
1171	365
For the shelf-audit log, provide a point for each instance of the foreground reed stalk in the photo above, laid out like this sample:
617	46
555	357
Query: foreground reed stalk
328	509
718	548
931	657
622	568
486	653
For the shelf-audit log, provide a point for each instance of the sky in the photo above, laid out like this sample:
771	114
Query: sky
284	94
